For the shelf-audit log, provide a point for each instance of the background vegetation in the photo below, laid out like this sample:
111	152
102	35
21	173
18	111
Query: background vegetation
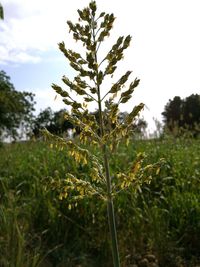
161	219
182	115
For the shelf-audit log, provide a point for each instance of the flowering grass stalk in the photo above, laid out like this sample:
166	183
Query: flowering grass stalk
105	129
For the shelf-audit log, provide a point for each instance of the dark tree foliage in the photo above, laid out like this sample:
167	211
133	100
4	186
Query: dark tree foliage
183	114
191	111
62	125
54	122
1	12
16	109
43	120
173	113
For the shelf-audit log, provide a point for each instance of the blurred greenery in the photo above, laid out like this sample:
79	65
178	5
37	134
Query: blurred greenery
16	110
182	115
37	229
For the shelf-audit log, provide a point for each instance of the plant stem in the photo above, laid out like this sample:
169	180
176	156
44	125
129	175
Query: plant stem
111	213
110	206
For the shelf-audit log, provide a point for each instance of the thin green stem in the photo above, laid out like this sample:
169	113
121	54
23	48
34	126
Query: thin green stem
110	206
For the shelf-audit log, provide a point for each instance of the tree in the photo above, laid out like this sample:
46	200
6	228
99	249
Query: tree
62	125
183	114
173	113
54	122
140	127
1	12
43	120
191	111
15	109
91	30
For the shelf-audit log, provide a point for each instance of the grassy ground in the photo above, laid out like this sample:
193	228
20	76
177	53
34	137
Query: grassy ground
163	218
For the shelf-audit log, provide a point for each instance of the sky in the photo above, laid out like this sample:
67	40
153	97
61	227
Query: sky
164	53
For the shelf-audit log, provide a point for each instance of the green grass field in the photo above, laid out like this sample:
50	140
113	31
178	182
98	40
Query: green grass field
162	218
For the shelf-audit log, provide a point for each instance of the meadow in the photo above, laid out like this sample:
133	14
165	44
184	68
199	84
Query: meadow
161	220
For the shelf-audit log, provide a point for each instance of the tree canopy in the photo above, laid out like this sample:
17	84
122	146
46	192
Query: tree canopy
1	12
15	109
183	113
54	122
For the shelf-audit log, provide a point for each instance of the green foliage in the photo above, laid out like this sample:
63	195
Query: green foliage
15	230
160	218
15	109
183	114
1	12
54	122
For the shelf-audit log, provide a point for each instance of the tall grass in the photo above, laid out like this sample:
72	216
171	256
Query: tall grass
36	229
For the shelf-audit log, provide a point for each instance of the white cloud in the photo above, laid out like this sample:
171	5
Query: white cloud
160	30
164	52
24	57
31	27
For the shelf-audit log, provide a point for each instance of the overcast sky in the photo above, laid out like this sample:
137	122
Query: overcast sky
164	52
